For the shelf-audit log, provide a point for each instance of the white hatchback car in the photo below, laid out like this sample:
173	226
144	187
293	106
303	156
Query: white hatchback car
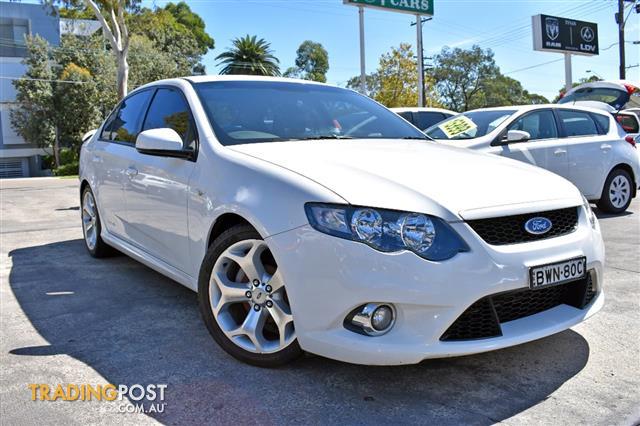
308	217
584	145
424	117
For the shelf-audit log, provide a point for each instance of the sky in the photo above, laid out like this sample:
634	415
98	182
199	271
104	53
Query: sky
502	25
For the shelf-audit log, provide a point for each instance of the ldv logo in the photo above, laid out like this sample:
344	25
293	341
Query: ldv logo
587	47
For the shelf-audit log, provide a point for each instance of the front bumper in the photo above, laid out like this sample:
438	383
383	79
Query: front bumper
327	278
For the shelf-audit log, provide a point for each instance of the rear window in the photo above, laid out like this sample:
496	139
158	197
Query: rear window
426	119
603	123
615	97
628	122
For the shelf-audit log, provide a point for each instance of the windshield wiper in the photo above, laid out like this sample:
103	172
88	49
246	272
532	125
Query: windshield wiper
417	138
324	137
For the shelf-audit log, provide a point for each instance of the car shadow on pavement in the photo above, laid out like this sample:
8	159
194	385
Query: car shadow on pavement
133	325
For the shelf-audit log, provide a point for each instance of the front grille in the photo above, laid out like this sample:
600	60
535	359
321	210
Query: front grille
510	229
483	318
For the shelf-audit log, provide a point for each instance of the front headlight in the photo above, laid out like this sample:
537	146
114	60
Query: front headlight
590	214
387	230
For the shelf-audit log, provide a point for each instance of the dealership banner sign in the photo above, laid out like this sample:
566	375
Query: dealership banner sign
415	7
555	34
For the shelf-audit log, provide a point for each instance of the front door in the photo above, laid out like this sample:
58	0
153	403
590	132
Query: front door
544	149
157	187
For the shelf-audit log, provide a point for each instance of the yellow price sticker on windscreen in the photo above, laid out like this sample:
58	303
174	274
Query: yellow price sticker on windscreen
457	126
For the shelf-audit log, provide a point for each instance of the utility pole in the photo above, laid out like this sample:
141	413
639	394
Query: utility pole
620	22
421	89
363	71
420	62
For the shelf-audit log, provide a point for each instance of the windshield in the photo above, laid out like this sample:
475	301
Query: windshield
617	98
244	112
469	125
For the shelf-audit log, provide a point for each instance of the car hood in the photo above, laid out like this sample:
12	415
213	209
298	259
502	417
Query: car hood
420	176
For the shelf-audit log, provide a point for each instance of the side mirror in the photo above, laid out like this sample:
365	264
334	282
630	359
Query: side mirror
162	142
517	136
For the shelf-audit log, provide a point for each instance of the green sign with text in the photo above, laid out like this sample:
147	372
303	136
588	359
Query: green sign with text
415	7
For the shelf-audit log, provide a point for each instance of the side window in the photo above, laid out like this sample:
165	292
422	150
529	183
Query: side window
126	125
577	123
628	122
108	126
425	120
539	124
169	109
603	123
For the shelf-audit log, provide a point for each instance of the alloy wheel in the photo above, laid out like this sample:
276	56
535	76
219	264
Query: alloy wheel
89	220
248	298
619	191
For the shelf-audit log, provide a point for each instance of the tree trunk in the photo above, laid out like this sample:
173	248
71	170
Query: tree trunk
123	74
56	148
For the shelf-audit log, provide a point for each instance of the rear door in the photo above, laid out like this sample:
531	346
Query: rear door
157	186
545	149
114	147
589	149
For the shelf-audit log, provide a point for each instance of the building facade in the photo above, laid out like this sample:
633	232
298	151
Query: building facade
17	20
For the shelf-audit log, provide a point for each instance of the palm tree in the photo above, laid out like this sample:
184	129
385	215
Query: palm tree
249	56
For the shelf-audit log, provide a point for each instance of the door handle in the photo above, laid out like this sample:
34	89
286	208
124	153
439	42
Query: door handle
131	172
558	152
605	147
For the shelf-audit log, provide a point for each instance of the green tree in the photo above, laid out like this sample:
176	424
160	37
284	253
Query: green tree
372	81
312	62
150	64
32	118
171	37
395	82
249	56
76	105
461	76
192	21
502	91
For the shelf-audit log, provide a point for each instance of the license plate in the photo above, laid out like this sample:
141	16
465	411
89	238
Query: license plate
557	273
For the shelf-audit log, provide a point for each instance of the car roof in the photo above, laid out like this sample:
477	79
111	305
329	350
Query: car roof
422	109
524	108
213	78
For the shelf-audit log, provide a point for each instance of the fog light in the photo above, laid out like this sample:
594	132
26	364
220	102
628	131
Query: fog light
381	318
374	319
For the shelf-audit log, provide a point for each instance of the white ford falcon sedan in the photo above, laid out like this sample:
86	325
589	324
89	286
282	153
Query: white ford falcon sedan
310	218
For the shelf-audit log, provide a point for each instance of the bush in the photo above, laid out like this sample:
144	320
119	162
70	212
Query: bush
69	169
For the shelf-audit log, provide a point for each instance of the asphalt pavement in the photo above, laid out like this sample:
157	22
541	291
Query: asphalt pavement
68	318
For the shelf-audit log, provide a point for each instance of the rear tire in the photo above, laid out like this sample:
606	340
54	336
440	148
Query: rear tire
616	195
92	226
243	301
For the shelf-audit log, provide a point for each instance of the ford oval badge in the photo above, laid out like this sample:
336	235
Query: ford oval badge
538	225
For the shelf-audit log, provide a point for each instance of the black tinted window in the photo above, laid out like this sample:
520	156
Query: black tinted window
407	116
168	109
577	123
108	126
603	123
424	120
539	124
126	125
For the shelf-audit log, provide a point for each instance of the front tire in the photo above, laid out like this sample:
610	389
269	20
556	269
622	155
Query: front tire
243	300
92	226
616	195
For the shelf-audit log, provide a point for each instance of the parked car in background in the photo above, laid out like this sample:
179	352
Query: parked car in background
584	145
629	120
423	118
620	94
309	217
